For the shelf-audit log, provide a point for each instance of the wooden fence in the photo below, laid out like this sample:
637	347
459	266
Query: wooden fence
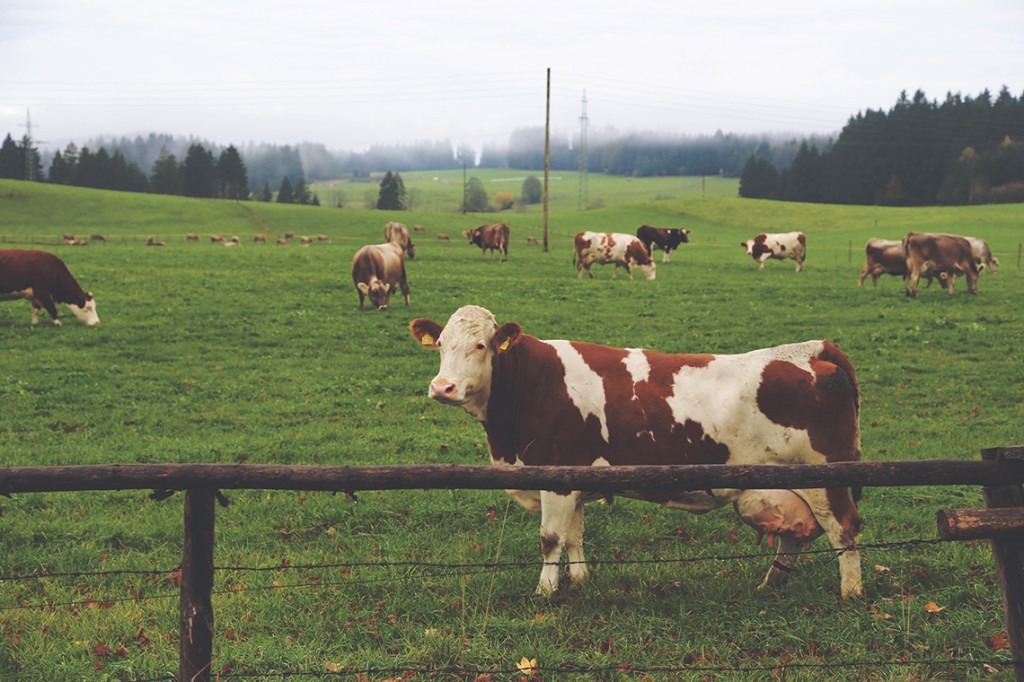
1000	472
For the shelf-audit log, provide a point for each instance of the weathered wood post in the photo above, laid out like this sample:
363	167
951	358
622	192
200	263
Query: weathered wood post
1003	524
195	629
1009	555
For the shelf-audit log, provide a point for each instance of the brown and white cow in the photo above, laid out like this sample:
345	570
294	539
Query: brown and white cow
780	246
376	270
611	247
665	238
45	280
573	403
941	255
398	232
982	254
883	257
494	237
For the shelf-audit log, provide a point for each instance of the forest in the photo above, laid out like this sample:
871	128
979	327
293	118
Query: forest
964	150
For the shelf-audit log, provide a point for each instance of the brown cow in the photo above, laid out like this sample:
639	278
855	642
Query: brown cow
376	269
545	403
941	255
45	280
884	257
399	233
493	237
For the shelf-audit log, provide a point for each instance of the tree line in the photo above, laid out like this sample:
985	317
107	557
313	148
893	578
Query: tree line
964	150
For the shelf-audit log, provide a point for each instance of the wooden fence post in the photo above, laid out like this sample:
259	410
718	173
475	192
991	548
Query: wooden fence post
195	630
1009	556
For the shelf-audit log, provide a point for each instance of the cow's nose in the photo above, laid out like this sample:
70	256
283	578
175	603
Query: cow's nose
382	307
441	389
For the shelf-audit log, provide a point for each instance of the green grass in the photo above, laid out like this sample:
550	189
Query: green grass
260	354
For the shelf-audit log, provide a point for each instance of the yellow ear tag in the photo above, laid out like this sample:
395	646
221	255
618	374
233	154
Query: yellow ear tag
504	345
427	340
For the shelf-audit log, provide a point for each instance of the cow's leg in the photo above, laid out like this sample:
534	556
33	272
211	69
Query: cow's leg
785	560
972	282
665	256
35	313
863	276
557	515
836	513
405	286
44	299
799	264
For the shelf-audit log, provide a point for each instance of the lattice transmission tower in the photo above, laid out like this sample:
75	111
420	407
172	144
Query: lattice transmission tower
584	161
30	152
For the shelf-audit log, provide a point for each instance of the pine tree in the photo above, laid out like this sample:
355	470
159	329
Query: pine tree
199	173
232	179
10	160
265	193
475	200
286	195
392	193
301	193
166	176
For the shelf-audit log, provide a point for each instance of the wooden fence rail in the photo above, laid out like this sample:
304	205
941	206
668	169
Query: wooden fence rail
1001	473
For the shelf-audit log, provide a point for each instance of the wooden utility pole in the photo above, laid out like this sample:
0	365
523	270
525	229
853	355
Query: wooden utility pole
547	158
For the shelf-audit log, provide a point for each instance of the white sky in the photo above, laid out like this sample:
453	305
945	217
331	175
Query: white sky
353	74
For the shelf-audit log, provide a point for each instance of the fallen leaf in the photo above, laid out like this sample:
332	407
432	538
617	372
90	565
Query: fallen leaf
882	569
932	607
333	667
1000	642
527	666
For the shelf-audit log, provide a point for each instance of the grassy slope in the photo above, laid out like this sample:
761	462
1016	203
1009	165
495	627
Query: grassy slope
260	354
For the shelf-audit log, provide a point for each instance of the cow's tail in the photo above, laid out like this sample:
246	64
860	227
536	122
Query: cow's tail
846	374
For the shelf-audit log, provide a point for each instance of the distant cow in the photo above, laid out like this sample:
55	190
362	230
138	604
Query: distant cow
982	254
942	255
618	248
98	238
419	228
571	403
259	239
493	237
192	237
216	239
779	246
665	238
44	279
376	270
306	241
399	233
153	242
68	237
442	237
282	241
883	257
323	238
531	241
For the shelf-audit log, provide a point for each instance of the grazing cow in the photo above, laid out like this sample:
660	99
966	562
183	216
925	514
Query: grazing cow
153	242
531	241
665	238
581	404
68	237
399	233
192	237
216	239
44	279
323	238
983	255
98	238
289	235
884	257
493	237
376	269
306	241
282	241
620	249
419	228
941	255
259	239
780	246
442	237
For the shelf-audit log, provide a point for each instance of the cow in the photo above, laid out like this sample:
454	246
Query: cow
398	232
665	238
545	403
306	241
376	269
779	246
442	237
941	255
419	228
493	237
531	241
259	239
191	237
98	238
44	279
614	247
884	257
151	241
983	255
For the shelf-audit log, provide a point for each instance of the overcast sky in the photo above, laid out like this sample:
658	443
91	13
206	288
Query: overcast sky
353	74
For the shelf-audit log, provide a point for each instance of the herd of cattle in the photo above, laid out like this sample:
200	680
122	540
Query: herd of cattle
379	269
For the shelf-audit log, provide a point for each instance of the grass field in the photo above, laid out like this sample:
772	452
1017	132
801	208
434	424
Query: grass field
260	354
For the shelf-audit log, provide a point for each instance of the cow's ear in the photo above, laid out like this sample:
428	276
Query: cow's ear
427	332
363	287
507	335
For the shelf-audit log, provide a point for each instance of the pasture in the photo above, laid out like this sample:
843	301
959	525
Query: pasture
260	354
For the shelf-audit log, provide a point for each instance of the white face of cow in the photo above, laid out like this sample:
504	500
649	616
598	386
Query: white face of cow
648	270
87	313
467	345
749	246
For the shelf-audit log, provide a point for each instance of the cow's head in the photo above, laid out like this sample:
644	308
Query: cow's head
87	312
410	249
379	293
637	255
468	344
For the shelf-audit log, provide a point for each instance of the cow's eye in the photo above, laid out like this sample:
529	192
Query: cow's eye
480	346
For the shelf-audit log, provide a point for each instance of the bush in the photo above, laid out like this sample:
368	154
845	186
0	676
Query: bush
503	200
